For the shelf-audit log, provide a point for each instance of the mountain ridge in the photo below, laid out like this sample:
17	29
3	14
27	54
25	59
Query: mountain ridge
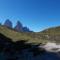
18	27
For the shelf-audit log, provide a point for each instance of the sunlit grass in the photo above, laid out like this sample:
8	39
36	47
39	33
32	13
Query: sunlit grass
40	37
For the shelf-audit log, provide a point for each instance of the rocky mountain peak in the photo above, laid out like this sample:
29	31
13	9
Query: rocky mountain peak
8	23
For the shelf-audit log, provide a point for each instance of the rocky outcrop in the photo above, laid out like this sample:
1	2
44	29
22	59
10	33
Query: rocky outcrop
25	29
8	23
19	27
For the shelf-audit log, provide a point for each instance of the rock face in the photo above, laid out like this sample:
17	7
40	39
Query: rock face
8	23
18	26
25	29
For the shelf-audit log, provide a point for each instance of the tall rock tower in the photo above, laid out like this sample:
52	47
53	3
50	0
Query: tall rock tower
8	23
19	26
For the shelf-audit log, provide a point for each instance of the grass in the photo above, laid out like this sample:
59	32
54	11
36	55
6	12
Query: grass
34	37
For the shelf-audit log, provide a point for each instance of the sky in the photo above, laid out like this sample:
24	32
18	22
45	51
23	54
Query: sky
35	14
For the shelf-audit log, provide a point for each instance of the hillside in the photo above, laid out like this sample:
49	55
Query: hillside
14	35
51	34
21	50
52	30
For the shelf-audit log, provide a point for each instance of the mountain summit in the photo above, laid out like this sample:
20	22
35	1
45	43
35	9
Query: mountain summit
8	23
19	26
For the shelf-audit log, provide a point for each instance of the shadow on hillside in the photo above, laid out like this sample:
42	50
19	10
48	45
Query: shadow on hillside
21	50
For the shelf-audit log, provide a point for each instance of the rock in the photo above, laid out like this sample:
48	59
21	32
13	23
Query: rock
8	23
19	26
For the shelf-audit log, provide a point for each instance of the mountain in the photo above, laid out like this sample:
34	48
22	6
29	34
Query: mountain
8	23
25	29
19	26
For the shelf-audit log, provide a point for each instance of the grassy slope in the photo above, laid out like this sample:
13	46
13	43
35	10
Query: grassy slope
53	33
14	35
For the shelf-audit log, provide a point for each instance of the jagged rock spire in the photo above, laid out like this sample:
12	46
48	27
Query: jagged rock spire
19	26
8	23
25	29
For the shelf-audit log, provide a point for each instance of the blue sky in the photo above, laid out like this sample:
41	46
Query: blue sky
35	14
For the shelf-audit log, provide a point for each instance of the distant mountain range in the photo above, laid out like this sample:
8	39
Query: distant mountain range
19	27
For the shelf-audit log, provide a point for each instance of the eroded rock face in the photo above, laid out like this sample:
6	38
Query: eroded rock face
19	26
8	23
25	29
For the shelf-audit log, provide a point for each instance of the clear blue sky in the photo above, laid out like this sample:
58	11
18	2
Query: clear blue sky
35	14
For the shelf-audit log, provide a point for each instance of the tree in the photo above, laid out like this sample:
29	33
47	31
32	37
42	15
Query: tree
8	23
